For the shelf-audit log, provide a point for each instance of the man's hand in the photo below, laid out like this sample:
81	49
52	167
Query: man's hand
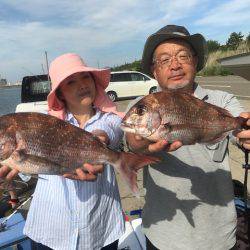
88	173
244	136
8	173
139	144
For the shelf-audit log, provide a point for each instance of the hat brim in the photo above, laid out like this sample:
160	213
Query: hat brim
197	41
101	78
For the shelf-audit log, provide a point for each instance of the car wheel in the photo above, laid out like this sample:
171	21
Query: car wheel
112	95
152	90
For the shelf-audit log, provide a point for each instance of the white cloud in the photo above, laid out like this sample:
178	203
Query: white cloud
110	32
236	12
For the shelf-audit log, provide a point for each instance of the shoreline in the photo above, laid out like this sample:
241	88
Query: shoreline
9	86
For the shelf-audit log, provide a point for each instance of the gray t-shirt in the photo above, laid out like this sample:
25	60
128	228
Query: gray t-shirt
189	195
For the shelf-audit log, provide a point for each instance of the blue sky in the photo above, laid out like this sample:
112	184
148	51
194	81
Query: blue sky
104	33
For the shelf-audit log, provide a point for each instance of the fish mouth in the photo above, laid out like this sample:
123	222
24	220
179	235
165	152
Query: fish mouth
127	127
135	129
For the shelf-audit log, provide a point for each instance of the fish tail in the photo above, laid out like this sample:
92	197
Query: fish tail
242	122
128	165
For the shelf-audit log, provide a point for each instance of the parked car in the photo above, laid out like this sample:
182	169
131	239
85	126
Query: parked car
127	84
123	84
34	93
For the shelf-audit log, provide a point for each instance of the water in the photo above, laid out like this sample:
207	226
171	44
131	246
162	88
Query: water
9	98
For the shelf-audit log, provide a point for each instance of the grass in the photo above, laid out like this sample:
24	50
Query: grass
213	68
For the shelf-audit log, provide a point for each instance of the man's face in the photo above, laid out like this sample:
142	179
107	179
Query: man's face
174	64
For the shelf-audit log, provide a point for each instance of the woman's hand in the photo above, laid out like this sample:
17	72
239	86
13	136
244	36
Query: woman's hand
8	173
87	173
244	136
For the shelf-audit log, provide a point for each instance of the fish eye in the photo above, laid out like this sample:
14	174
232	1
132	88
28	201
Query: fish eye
141	110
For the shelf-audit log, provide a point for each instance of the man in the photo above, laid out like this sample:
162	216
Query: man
189	195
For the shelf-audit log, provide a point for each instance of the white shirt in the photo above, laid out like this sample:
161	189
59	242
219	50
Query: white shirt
69	214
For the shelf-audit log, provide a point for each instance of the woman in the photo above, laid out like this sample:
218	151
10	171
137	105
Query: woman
83	213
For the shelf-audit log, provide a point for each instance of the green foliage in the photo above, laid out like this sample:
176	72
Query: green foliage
214	70
212	45
136	65
248	39
223	48
234	40
234	45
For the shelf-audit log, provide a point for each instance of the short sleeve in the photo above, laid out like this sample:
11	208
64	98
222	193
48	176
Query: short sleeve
231	104
110	123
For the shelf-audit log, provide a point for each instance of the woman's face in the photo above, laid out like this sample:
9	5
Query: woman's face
78	90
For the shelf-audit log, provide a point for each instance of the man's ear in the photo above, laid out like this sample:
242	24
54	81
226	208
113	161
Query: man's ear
195	60
152	68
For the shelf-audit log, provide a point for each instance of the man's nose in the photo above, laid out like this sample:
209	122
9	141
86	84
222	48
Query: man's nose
174	63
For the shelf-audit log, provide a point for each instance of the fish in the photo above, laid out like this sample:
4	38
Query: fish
177	115
36	143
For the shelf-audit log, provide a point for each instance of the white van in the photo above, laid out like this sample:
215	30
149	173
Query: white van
124	84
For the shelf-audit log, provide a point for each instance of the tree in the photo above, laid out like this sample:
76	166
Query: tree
234	40
248	39
212	46
223	47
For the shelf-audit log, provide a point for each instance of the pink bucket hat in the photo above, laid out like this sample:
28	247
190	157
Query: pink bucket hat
68	64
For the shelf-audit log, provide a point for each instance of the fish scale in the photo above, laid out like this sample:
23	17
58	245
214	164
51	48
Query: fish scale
178	115
35	143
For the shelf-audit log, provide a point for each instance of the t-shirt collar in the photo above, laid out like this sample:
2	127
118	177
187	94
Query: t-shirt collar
199	92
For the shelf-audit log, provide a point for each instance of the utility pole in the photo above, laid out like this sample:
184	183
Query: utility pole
47	65
43	69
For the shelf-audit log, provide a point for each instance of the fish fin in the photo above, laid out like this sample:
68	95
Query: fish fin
218	139
32	164
128	165
19	155
168	127
35	176
21	145
242	122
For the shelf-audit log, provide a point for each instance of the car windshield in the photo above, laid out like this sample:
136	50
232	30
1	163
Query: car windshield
40	87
